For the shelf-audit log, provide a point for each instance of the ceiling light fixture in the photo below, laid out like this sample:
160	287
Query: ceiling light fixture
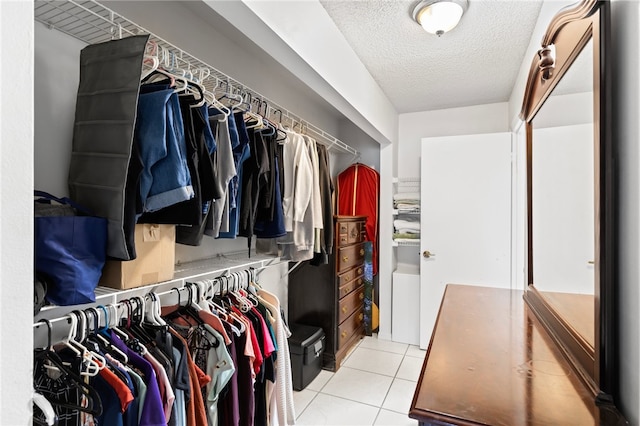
439	16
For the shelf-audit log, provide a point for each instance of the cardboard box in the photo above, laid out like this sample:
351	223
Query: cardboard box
154	263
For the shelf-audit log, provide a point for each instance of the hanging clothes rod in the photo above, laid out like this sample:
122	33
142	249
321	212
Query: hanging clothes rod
91	22
58	328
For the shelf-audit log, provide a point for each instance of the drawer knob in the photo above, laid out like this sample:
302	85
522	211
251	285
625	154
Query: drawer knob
343	229
347	277
345	258
361	252
359	281
359	271
343	334
344	309
360	317
346	290
361	296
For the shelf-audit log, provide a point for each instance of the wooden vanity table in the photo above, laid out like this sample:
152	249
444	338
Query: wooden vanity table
490	363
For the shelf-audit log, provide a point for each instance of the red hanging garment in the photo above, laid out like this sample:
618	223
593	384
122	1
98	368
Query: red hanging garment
359	194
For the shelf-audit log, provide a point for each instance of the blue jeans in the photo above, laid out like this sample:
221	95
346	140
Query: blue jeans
165	179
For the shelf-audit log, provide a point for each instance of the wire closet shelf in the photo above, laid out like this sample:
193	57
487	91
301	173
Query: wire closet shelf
91	22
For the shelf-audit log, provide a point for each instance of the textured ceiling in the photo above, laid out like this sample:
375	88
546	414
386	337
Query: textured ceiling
476	63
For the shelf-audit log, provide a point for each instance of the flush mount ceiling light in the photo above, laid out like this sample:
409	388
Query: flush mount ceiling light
439	16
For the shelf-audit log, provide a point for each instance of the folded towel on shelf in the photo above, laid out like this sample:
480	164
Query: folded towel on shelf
407	231
406	201
406	236
407	196
406	224
407	208
413	241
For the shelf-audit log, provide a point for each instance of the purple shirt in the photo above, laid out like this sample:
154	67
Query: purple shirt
152	411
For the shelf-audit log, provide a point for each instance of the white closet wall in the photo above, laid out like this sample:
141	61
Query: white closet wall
625	28
16	211
490	118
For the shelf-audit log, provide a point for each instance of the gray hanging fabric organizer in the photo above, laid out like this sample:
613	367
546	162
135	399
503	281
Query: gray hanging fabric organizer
103	132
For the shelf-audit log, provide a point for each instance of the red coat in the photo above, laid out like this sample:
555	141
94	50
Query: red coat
359	194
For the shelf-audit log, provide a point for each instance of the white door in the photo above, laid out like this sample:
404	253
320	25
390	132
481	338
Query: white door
465	217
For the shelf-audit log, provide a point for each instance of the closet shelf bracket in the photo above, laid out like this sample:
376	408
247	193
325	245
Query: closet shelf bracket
292	269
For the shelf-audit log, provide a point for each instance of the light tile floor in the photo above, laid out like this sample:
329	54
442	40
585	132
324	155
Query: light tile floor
374	386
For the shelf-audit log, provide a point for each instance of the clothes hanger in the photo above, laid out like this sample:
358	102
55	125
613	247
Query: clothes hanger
194	87
47	409
89	367
211	300
211	96
50	359
168	70
134	327
153	311
230	96
190	311
113	325
258	123
153	62
105	345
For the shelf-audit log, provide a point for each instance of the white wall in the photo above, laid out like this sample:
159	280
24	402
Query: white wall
491	118
16	211
302	36
386	255
368	148
626	69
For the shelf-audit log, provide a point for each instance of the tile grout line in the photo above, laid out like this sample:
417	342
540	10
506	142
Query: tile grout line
350	400
368	371
393	378
305	408
377	415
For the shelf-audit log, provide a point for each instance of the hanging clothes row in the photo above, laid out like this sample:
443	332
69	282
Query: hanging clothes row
170	151
217	355
306	202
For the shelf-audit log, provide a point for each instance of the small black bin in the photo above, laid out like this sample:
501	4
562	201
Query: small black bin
306	346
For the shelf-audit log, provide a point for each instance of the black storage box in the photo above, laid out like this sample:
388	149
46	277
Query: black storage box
306	346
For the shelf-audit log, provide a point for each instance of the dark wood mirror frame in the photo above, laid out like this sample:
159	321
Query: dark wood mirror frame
570	30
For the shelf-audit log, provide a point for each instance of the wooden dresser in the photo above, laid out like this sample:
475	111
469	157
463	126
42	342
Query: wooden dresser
490	363
331	295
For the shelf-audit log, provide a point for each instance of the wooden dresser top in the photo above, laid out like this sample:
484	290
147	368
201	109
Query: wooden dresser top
488	363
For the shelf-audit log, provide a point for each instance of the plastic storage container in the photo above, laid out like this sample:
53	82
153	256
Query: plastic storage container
306	346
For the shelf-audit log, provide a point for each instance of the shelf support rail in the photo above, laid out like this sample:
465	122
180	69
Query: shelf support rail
169	293
92	22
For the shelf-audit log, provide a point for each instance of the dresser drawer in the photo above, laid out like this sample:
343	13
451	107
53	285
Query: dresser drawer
350	304
348	287
342	234
355	232
349	327
350	256
350	275
349	231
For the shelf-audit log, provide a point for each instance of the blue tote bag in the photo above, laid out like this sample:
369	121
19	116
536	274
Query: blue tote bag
70	248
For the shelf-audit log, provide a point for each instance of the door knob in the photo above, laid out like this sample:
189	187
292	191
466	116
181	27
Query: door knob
427	254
